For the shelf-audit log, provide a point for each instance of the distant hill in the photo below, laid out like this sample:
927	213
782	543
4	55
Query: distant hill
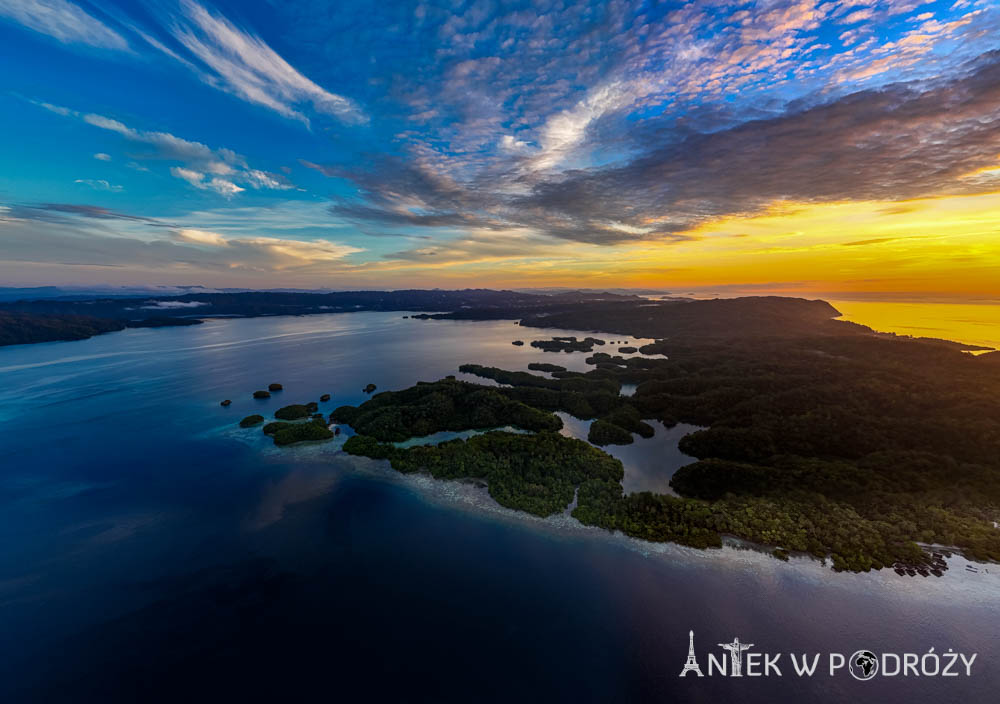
991	358
722	317
24	328
71	318
257	303
49	319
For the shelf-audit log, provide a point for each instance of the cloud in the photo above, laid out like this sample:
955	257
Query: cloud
101	156
297	251
202	237
168	146
205	182
565	131
218	170
513	145
217	51
901	141
898	142
90	236
285	253
99	184
408	192
87	211
174	305
244	65
64	21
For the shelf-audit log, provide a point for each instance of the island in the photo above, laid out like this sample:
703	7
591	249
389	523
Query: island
251	421
544	367
369	388
820	438
293	412
428	408
225	403
274	387
290	433
617	426
537	473
162	321
567	344
19	328
261	394
324	398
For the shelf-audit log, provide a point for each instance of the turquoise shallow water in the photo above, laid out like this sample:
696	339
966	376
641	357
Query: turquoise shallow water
153	551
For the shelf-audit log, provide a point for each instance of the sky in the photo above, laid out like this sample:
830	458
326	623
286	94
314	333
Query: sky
800	147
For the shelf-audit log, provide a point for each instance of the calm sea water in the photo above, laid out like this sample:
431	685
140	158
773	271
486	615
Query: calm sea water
972	323
153	551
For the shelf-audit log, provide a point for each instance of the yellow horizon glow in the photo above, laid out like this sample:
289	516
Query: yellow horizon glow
936	248
946	246
969	323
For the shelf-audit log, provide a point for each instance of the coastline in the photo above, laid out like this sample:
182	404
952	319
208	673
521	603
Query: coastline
472	497
735	554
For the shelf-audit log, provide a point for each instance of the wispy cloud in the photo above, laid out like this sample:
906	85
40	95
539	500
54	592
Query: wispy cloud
284	253
205	182
94	236
99	184
244	64
64	21
202	40
219	170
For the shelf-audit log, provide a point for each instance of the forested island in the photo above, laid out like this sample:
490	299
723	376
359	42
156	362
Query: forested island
20	328
290	433
821	437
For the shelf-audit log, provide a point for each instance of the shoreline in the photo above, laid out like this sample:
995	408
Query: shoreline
735	554
473	498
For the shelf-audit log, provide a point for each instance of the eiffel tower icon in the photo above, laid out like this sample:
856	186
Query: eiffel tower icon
691	665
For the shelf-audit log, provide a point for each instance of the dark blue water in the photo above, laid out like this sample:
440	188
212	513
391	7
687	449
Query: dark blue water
153	551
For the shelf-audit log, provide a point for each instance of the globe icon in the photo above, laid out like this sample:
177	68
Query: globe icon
864	665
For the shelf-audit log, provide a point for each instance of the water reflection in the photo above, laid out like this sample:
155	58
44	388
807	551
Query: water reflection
649	462
964	322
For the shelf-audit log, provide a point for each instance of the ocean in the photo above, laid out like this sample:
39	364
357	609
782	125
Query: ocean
154	551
